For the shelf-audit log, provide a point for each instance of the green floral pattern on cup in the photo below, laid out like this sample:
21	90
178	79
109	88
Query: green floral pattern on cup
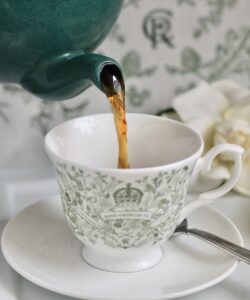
103	209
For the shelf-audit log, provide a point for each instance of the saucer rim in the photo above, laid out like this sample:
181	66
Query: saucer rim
174	295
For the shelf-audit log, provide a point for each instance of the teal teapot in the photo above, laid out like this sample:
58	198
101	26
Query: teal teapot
45	46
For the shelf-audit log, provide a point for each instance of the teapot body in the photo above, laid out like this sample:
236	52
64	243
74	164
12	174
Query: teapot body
34	31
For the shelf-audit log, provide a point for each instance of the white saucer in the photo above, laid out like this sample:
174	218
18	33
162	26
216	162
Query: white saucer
38	244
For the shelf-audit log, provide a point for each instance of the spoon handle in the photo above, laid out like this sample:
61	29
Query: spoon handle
239	252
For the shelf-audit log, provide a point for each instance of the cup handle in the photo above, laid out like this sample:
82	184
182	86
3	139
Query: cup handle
203	166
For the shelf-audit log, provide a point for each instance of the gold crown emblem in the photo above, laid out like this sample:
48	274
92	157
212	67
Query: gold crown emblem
128	196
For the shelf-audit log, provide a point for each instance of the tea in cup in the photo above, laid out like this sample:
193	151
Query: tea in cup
123	216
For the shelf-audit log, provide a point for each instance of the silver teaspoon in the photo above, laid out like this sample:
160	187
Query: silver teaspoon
239	252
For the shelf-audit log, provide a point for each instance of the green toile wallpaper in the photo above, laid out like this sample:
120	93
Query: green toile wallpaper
165	47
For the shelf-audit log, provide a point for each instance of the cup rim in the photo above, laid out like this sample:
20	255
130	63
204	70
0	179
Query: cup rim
56	158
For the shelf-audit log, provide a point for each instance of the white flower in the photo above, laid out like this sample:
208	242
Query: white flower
220	112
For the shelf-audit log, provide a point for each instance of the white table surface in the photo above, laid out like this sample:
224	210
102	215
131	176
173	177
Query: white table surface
19	189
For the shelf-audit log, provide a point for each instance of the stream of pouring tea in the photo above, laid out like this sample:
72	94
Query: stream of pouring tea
114	88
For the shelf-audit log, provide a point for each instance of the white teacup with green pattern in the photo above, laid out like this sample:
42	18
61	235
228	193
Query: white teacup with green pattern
122	216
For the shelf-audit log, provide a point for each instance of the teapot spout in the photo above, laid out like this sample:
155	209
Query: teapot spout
66	76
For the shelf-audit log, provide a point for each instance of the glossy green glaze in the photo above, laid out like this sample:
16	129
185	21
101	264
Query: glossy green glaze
45	45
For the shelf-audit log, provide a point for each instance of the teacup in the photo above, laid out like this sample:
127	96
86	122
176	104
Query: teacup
123	216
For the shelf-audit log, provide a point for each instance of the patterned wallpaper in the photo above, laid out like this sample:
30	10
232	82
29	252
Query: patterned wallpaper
164	46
